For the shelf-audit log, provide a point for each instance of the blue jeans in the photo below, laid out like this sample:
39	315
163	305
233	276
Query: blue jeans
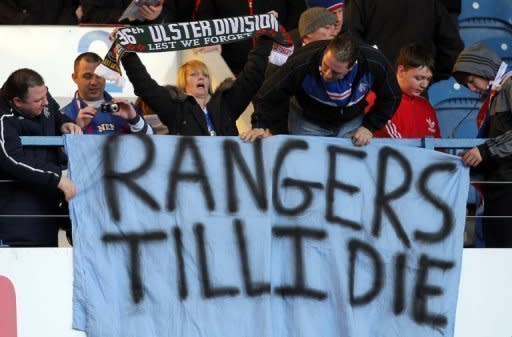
298	125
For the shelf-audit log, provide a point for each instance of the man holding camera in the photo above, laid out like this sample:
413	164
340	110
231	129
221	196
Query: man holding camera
93	108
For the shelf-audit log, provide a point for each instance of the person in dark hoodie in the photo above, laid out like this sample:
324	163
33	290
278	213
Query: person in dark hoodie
484	72
192	109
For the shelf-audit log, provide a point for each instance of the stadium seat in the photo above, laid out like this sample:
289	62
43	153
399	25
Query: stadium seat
449	88
456	109
502	47
497	9
477	29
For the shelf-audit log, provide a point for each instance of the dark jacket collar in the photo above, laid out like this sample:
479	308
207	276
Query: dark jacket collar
6	107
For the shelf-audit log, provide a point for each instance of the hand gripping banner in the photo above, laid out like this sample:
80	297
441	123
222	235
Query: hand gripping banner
185	35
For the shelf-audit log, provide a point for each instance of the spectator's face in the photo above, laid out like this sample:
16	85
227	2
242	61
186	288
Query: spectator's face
413	81
90	85
327	32
476	83
197	82
339	19
34	102
332	69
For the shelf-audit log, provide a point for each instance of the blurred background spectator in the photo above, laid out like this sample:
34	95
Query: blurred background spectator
454	8
315	24
334	6
38	12
109	11
235	54
151	117
392	24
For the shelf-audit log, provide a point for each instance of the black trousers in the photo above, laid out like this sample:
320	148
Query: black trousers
498	202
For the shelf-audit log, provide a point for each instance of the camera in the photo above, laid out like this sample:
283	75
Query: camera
109	107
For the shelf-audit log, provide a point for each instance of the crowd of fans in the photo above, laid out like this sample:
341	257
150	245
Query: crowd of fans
357	69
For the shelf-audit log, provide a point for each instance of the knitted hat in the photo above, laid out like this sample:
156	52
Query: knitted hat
477	60
313	18
331	5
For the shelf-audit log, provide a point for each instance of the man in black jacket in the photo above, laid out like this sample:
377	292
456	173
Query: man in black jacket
37	12
328	81
35	175
393	24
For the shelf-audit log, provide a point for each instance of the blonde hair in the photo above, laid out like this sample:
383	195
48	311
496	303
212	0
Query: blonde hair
188	66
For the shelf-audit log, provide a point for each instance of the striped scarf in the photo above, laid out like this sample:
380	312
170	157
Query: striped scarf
186	35
504	72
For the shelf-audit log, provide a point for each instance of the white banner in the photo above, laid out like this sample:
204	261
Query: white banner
290	237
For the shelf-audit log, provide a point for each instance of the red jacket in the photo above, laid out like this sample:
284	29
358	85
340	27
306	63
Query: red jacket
414	118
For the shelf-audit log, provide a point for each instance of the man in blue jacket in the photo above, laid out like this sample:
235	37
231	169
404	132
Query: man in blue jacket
85	107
